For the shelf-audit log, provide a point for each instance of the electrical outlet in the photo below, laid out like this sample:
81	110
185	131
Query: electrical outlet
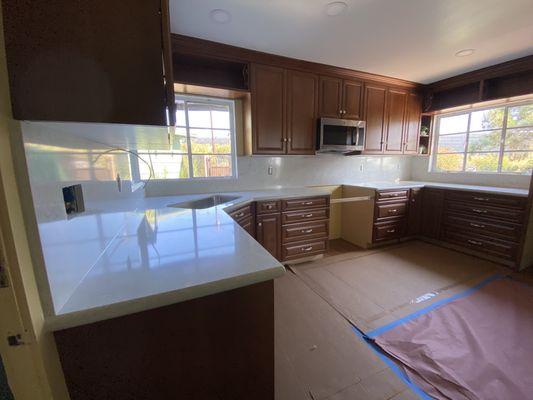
361	167
270	169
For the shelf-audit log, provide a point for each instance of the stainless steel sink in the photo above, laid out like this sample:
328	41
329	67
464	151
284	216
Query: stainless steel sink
205	202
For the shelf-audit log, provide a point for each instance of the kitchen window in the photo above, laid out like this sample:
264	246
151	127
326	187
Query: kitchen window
498	140
203	145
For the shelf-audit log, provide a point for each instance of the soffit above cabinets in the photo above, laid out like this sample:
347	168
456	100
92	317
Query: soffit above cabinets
414	40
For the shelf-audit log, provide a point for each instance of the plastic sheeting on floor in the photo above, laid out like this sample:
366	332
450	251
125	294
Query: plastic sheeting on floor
479	345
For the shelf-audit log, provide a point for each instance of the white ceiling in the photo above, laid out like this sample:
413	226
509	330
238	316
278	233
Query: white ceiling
410	39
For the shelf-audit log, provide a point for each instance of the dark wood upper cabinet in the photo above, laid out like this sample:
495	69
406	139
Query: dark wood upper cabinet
330	97
88	61
412	124
396	107
352	99
268	233
268	109
374	115
302	104
340	98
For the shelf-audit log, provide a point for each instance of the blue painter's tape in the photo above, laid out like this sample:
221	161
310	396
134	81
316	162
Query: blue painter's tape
376	332
394	368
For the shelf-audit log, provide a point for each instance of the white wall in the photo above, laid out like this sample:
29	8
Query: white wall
294	171
420	172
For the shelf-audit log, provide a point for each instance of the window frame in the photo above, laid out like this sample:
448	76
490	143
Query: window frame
233	139
501	151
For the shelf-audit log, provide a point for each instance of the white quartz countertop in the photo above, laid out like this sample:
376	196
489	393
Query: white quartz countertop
415	184
143	254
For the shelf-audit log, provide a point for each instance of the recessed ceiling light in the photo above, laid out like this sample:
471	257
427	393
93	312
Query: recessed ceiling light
336	8
465	53
220	16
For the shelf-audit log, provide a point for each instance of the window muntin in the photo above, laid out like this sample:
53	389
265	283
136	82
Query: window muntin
490	140
204	144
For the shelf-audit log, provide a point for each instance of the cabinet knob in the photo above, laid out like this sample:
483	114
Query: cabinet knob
260	224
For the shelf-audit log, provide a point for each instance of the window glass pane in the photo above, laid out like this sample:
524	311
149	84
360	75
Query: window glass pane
517	162
221	117
452	143
519	139
455	124
199	115
222	141
180	113
201	141
520	116
487	119
482	162
484	141
164	165
180	140
450	162
211	165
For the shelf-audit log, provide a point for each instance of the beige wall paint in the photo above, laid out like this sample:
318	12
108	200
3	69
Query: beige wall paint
33	369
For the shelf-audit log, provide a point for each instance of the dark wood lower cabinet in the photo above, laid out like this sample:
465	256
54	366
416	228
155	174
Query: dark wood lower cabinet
268	228
432	209
414	216
215	347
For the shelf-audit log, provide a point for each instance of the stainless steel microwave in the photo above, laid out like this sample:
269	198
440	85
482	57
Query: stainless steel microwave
340	136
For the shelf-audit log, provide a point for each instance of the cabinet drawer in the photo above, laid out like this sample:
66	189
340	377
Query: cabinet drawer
303	249
507	230
303	203
242	212
266	207
307	215
390	210
248	225
507	214
388	231
489	199
392	195
484	244
308	230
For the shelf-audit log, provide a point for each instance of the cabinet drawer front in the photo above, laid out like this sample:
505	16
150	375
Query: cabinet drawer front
484	244
507	230
309	202
388	231
303	249
392	194
242	212
308	215
248	225
469	209
488	199
390	210
309	230
266	207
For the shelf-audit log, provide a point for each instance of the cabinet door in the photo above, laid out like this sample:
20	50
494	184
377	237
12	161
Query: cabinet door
414	213
352	92
412	125
86	61
302	99
268	232
268	109
375	100
330	97
396	106
432	210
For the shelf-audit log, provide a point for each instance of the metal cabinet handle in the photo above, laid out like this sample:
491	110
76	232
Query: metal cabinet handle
477	210
308	215
481	198
393	210
241	214
475	242
307	248
307	203
306	230
391	230
269	206
477	225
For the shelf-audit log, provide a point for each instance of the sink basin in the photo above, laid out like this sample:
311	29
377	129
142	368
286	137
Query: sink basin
206	202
